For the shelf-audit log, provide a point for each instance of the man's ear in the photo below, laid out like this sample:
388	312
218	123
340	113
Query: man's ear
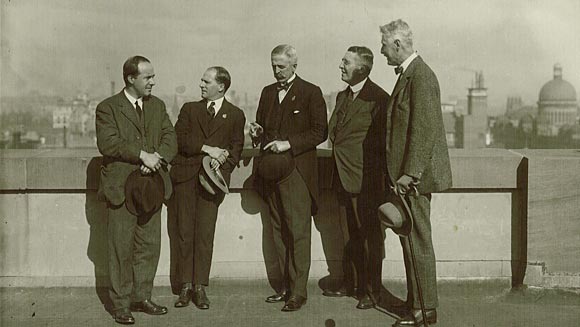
397	42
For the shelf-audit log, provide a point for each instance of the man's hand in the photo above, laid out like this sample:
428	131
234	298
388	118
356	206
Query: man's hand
256	130
150	160
216	163
405	183
213	151
278	146
145	170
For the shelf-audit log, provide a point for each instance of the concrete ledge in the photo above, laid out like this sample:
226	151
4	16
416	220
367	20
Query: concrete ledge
67	169
506	208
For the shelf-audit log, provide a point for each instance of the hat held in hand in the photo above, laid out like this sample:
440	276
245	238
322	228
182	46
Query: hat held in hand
275	166
144	195
211	179
396	214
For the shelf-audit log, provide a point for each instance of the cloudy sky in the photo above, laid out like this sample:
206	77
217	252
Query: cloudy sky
69	46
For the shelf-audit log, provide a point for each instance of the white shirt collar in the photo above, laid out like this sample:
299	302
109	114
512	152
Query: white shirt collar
291	79
408	61
132	99
357	87
217	104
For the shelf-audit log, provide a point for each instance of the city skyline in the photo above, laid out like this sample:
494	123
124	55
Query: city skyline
79	46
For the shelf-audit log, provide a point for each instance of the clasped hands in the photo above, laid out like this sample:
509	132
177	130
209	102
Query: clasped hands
218	155
405	184
151	162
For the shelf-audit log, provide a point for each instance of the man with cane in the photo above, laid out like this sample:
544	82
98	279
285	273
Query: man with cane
417	165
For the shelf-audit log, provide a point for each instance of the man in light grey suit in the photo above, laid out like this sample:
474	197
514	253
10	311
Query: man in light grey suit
356	109
416	152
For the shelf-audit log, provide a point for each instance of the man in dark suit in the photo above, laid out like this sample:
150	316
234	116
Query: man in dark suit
211	127
290	123
356	108
133	132
416	156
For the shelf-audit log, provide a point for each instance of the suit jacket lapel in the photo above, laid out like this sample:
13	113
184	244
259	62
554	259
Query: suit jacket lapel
148	112
203	118
220	118
401	83
290	94
341	97
358	103
286	105
128	111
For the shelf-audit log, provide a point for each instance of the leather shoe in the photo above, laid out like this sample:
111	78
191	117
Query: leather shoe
278	297
149	307
294	303
415	318
124	316
200	298
184	298
365	302
398	310
340	292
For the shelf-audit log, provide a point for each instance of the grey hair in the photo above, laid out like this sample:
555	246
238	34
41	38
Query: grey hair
287	50
398	29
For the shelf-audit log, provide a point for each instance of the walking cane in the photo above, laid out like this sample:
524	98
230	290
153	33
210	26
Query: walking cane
413	260
392	215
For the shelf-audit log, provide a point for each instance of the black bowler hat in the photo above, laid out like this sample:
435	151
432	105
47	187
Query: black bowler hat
396	214
275	166
144	195
212	179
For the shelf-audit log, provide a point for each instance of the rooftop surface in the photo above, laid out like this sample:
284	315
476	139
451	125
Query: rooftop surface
241	303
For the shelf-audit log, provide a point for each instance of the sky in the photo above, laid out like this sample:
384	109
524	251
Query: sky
64	47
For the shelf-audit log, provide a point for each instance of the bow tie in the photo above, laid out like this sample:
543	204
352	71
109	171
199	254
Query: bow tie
398	70
284	86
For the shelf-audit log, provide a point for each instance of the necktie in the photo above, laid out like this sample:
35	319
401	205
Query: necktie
342	110
398	70
139	110
211	109
284	86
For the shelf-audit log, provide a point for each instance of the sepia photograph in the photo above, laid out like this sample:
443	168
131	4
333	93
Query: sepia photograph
290	163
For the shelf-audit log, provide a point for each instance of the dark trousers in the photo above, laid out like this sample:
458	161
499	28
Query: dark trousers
424	254
290	210
364	248
133	256
196	221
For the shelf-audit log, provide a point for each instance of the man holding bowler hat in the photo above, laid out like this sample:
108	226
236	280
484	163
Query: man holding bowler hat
210	138
136	139
417	157
290	123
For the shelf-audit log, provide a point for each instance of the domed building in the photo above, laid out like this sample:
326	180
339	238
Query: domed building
557	105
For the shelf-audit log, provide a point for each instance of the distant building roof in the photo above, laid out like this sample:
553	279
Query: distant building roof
557	89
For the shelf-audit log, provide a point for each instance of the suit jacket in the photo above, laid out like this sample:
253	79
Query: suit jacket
347	141
195	128
303	124
120	139
416	143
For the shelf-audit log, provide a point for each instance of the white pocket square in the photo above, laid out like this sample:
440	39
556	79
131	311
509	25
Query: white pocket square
296	111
